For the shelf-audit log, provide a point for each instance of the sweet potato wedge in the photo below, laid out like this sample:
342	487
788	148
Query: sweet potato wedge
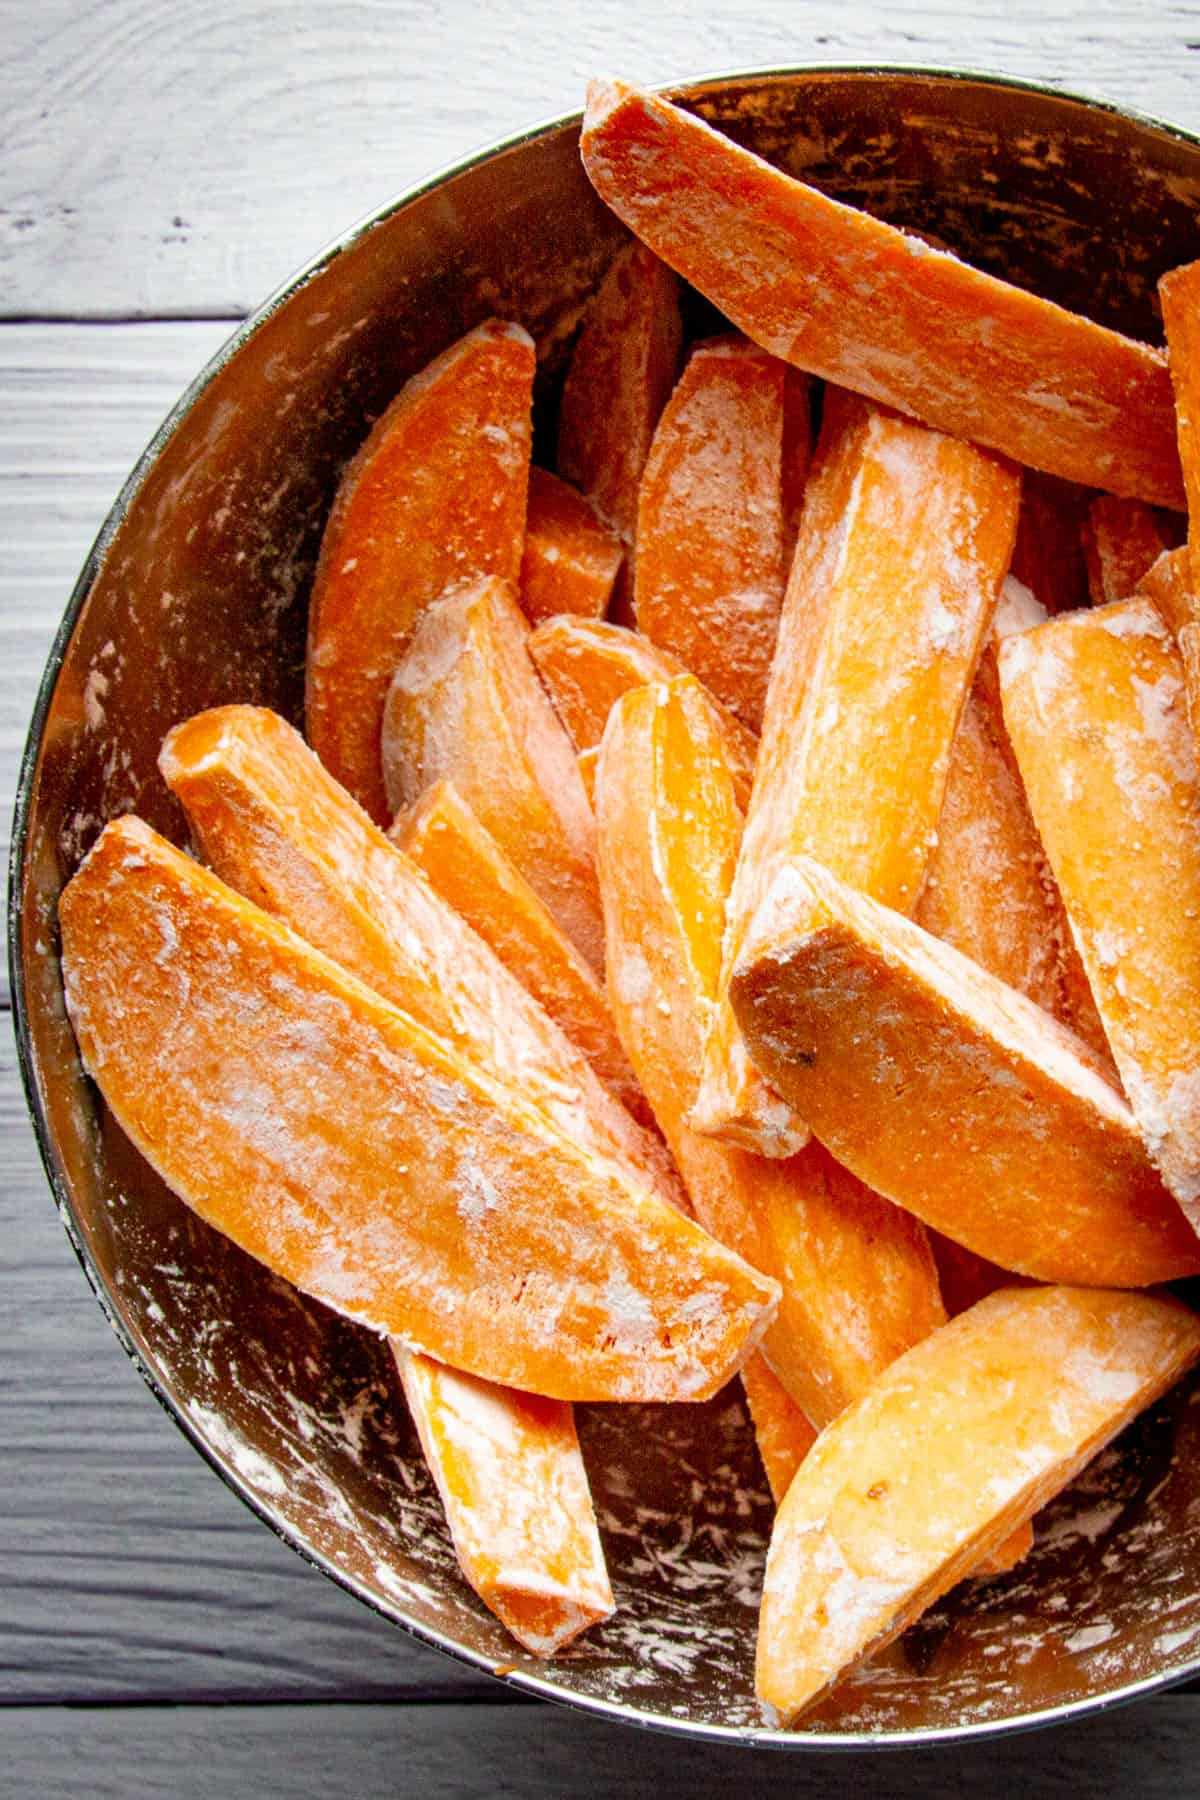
586	666
893	593
622	370
435	498
1096	710
1179	295
275	825
710	569
464	864
858	1280
975	1428
511	1478
466	706
783	1434
1168	584
797	454
1122	539
949	1092
852	299
571	557
588	762
360	1157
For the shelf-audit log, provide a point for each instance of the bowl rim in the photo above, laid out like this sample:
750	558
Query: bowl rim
522	1681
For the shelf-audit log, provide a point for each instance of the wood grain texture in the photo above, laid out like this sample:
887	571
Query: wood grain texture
172	162
77	407
455	1752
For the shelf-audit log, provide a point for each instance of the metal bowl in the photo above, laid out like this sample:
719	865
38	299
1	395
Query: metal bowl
195	594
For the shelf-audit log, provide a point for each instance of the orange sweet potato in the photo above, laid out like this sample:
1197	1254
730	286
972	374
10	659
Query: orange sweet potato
1121	540
511	1478
1168	584
571	557
1179	294
361	1158
622	370
435	497
783	1434
949	1092
856	1273
892	592
1096	710
276	826
586	667
588	760
855	300
464	864
710	570
974	1429
466	706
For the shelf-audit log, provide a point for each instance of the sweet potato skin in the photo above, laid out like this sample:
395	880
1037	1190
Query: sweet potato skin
435	497
975	1428
860	303
355	1154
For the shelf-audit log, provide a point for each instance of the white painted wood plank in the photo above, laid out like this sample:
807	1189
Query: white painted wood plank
454	1752
175	161
77	406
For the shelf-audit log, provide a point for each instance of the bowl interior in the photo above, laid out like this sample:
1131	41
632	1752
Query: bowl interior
197	595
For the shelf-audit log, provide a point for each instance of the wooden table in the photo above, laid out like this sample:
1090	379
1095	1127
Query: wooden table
164	167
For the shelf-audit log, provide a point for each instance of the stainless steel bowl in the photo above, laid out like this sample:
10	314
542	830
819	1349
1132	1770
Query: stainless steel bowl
195	594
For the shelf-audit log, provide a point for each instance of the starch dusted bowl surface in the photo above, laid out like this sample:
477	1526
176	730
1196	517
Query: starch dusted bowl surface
196	595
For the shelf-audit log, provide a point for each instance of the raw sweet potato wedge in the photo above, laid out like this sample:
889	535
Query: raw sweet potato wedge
435	498
1179	294
1122	539
797	454
989	890
710	569
275	825
783	1434
466	706
858	1280
586	666
571	557
363	1159
1168	583
951	1093
847	297
465	865
511	1478
1096	710
902	583
975	1428
622	370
